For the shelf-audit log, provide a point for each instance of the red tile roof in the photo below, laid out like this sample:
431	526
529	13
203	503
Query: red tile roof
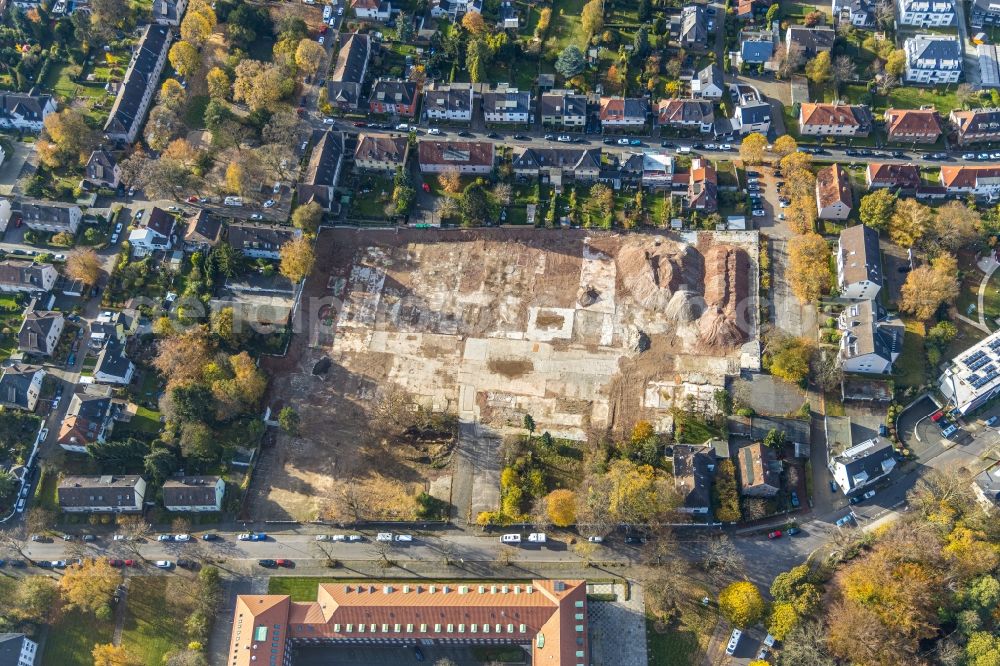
912	122
833	186
966	176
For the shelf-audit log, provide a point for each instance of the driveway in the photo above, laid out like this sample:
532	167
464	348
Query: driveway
787	313
12	167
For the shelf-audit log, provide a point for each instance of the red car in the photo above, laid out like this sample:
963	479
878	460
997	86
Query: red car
427	188
360	124
115	562
936	416
130	563
776	534
192	199
17	221
283	563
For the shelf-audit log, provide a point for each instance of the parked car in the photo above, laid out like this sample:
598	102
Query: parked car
323	537
595	539
510	538
89	537
425	187
165	537
950	430
792	531
185	563
164	564
404	537
115	562
433	131
565	138
795	499
182	537
383	536
210	537
267	563
992	421
58	564
846	520
734	641
131	563
776	534
635	142
283	563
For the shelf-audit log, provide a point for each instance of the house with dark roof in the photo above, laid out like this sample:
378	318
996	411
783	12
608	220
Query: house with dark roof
506	105
893	176
27	276
859	13
51	216
709	83
975	125
822	119
20	386
260	241
155	234
693	27
984	13
17	650
168	12
394	97
694	467
344	85
448	102
933	59
89	419
466	157
686	113
113	365
834	199
760	471
618	112
871	340
563	108
101	494
859	265
926	13
204	230
862	465
40	332
258	299
117	326
380	152
810	41
912	125
372	10
549	618
140	84
193	493
756	47
556	164
752	117
25	111
323	171
102	169
703	186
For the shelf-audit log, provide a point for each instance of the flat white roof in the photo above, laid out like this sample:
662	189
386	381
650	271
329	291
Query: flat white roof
973	373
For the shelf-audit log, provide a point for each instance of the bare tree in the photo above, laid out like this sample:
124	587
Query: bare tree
382	549
885	13
16	539
843	70
133	531
180	525
506	555
722	560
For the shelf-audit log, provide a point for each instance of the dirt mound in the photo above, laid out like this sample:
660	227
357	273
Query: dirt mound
654	271
589	297
549	320
726	272
510	368
684	307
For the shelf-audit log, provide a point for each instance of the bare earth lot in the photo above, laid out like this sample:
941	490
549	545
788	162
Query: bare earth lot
439	344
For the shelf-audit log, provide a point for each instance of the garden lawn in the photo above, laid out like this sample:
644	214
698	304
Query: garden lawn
146	422
72	637
911	366
685	642
154	620
566	27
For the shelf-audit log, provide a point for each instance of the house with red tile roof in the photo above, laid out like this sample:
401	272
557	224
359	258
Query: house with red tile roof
822	119
548	618
912	125
976	125
980	180
624	112
896	176
833	193
703	186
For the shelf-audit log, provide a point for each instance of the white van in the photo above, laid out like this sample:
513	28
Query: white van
684	150
404	537
384	536
510	538
734	640
233	201
537	537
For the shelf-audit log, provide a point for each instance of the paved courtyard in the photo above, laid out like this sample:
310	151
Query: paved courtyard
618	628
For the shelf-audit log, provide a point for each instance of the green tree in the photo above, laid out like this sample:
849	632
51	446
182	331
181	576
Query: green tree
742	604
474	206
775	439
308	217
288	419
772	14
570	62
790	359
876	209
640	43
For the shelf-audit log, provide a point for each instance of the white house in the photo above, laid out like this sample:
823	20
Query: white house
156	234
20	386
17	650
862	465
978	180
926	13
859	273
506	105
973	377
113	366
709	84
859	13
193	493
833	193
27	276
871	341
448	102
25	111
51	216
933	59
40	331
372	10
101	494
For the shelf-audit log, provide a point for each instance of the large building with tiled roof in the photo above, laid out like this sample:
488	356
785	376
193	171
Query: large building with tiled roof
548	618
833	193
912	125
976	125
820	119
